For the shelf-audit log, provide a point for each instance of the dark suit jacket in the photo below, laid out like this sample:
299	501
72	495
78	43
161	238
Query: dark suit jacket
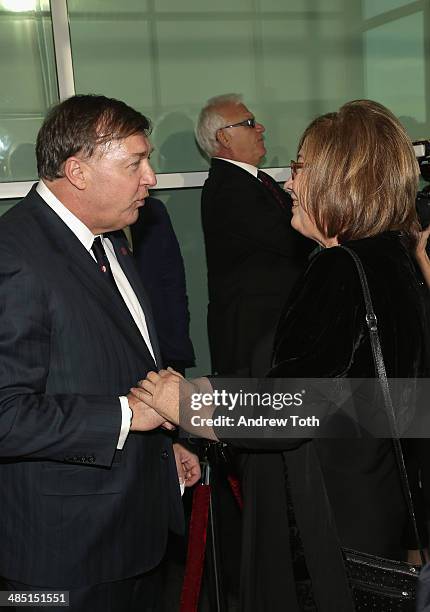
253	256
161	268
75	511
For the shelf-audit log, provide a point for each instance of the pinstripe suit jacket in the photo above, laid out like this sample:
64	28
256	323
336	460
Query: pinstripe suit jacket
74	510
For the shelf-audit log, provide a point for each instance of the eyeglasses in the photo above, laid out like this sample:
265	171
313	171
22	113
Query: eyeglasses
245	123
295	166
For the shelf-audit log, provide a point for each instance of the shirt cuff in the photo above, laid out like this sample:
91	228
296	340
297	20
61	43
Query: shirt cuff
126	416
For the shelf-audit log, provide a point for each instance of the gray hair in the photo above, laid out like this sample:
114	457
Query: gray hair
209	122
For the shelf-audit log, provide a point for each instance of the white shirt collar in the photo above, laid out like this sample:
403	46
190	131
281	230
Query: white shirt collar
248	167
81	231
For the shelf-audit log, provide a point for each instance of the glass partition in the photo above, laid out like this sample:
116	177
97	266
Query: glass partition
395	69
291	60
6	204
29	83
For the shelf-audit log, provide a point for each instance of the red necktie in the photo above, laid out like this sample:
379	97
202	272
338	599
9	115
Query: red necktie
273	187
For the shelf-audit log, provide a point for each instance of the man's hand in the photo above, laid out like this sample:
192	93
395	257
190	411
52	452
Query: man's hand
144	417
187	464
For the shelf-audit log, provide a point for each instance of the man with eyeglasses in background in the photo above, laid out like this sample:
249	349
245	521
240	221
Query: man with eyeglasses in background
254	257
253	254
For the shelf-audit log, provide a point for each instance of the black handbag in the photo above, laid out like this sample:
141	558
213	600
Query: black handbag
379	584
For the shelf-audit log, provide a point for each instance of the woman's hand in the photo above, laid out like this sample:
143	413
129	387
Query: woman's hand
144	417
160	391
170	394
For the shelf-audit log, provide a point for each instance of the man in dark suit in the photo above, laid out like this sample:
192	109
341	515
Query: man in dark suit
253	254
161	268
88	480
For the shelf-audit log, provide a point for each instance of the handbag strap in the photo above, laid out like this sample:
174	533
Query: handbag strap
372	325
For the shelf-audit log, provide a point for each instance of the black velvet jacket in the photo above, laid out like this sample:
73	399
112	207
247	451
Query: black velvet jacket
322	333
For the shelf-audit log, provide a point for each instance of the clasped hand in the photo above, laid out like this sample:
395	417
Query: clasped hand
155	403
159	393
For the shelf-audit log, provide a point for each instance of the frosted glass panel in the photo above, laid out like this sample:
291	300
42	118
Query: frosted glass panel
395	71
82	9
301	6
6	204
202	7
29	87
183	70
309	66
378	7
225	62
291	60
113	57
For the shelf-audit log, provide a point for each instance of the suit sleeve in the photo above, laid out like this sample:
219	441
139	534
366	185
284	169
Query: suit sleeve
33	424
319	332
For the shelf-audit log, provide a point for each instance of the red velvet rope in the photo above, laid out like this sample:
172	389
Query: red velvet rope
197	543
236	490
196	549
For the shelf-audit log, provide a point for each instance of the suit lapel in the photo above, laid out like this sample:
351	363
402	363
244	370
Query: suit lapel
128	264
80	263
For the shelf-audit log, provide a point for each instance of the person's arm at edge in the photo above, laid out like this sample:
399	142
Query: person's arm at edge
422	256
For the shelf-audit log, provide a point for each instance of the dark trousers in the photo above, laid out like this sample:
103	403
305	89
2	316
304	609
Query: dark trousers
137	594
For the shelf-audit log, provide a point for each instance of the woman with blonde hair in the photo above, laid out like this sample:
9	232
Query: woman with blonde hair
354	184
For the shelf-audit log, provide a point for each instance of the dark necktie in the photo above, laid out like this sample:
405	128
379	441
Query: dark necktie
105	269
103	262
273	187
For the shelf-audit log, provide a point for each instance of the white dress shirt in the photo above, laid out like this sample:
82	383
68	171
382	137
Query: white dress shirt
248	167
86	237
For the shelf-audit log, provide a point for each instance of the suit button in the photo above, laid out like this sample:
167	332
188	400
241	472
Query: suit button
164	454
